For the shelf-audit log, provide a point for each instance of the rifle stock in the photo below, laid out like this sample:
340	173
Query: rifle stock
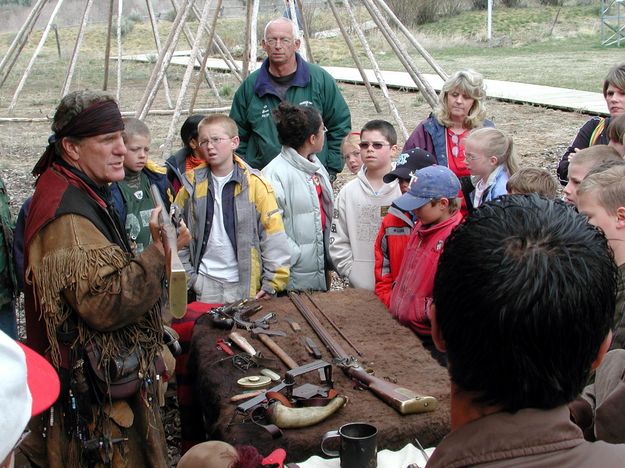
176	275
402	399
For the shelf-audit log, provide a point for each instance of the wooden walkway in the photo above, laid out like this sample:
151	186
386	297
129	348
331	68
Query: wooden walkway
545	96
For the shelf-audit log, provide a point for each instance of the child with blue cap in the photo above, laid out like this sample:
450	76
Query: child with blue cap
433	198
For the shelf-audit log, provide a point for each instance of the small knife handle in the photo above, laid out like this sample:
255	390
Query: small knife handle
242	343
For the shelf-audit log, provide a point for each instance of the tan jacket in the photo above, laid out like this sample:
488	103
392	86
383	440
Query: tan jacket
72	263
529	438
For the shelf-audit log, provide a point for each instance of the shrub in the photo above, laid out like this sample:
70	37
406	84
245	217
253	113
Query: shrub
511	3
479	4
127	26
417	12
552	2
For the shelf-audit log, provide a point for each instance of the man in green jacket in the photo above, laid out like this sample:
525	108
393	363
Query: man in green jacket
286	76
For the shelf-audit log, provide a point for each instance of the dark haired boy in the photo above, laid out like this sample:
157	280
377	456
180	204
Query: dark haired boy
187	157
520	338
362	203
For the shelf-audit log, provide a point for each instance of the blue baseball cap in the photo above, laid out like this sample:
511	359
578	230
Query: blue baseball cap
429	183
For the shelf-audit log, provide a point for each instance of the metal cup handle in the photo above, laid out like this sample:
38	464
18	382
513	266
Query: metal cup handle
327	436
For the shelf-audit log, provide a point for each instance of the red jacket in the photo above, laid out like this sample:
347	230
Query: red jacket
389	247
411	297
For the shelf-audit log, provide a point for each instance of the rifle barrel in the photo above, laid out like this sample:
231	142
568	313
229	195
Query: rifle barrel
335	348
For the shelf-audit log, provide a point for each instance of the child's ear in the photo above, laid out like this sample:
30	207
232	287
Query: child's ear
494	161
620	217
193	143
235	142
394	150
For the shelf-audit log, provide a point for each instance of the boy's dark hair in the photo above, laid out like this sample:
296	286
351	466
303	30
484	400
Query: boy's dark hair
188	131
382	126
525	295
296	123
533	180
134	126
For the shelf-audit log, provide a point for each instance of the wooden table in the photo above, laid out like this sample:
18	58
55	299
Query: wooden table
392	351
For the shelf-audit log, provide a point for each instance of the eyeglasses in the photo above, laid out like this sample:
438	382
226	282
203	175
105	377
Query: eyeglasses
324	129
213	141
376	145
285	41
470	158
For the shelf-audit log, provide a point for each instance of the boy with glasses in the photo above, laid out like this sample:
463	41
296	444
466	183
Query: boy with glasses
239	248
362	203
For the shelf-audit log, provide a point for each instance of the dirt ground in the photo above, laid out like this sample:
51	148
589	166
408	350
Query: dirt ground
540	134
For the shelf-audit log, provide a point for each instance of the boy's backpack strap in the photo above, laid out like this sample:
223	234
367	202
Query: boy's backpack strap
596	133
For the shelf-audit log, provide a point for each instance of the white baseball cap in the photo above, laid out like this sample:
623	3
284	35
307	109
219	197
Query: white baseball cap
28	386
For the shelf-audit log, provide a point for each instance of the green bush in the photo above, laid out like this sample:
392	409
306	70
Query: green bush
511	3
416	12
135	17
552	2
127	25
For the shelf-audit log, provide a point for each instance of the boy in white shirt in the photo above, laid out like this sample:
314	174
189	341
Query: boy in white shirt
362	203
239	249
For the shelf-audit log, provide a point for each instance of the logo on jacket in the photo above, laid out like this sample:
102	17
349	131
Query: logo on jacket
306	103
439	245
139	194
266	112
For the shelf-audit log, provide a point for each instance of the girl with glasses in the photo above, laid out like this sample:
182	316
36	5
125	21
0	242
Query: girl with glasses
491	160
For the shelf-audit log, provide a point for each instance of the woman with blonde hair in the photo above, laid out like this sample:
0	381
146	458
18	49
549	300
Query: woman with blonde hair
460	109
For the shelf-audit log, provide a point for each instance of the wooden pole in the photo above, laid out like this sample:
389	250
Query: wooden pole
58	40
23	32
376	69
120	4
157	42
211	32
207	110
413	40
253	37
248	39
221	49
189	71
305	31
44	36
74	59
232	64
107	49
352	51
290	5
424	86
20	40
190	39
163	61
